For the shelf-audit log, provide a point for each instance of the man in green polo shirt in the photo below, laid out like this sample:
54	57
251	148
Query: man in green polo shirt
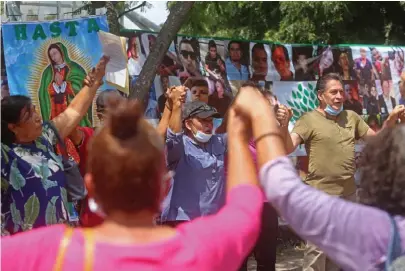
329	134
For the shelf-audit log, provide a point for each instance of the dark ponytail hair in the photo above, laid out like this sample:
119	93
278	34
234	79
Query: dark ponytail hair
126	160
11	107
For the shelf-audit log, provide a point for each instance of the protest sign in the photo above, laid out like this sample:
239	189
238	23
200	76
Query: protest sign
49	60
370	73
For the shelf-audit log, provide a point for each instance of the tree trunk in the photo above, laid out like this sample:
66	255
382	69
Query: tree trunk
112	18
177	16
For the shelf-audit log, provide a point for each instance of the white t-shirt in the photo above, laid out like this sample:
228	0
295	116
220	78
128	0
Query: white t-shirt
388	102
135	65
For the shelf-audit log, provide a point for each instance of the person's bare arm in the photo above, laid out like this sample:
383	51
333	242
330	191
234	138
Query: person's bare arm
164	121
77	109
268	134
173	95
265	127
397	114
241	167
76	136
175	123
291	141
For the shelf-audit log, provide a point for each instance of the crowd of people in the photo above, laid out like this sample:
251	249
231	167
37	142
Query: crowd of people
187	196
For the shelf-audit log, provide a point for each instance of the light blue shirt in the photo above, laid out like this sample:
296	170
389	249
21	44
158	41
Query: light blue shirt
233	73
198	187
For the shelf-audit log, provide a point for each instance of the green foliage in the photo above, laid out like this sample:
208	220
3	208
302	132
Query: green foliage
17	181
300	22
31	212
50	212
302	100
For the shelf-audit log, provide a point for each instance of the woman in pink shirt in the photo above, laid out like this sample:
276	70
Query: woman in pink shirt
126	177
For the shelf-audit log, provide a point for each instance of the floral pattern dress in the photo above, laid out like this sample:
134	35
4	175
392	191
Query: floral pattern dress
33	183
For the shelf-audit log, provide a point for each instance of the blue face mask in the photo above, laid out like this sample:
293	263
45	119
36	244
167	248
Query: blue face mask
202	137
330	111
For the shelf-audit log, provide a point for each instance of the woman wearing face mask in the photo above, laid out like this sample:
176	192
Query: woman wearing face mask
34	193
127	175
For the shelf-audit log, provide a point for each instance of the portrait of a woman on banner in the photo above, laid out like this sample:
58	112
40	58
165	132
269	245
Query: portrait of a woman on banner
61	80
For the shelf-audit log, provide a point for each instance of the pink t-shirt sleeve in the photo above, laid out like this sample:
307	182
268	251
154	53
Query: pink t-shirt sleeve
26	252
223	240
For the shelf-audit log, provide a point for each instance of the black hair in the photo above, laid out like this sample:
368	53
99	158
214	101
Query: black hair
275	46
212	44
185	41
258	46
11	107
252	84
199	83
234	41
301	50
162	102
101	101
382	166
321	83
384	80
373	118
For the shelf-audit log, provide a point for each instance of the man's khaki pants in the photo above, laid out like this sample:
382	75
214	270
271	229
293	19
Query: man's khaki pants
315	259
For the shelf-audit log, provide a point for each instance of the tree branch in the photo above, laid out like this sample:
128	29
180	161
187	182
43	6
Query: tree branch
178	14
132	9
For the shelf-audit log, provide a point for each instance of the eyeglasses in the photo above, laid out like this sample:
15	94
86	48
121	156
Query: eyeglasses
187	54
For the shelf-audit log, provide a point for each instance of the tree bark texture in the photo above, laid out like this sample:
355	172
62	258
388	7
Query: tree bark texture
177	16
112	18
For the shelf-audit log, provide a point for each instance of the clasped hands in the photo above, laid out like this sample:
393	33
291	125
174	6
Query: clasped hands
250	106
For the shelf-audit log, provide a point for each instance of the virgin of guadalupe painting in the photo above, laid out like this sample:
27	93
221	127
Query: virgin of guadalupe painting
61	80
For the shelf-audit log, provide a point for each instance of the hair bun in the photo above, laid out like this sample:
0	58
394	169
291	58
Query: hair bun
124	117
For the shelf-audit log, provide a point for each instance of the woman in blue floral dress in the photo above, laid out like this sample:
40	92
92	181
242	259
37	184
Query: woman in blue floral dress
33	182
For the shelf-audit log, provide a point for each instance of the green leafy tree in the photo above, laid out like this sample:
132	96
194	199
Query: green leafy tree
301	22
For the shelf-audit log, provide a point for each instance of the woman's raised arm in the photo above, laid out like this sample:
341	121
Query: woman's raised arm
70	118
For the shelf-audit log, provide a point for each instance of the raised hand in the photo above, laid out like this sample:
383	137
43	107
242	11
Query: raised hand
399	113
177	96
88	81
250	103
98	72
398	110
283	115
238	124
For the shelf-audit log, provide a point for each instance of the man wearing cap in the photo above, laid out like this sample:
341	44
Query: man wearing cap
196	156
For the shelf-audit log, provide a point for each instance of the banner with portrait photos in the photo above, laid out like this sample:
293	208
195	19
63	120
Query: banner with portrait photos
214	69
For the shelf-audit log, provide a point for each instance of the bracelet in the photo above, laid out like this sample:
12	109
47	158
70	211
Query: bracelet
266	135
